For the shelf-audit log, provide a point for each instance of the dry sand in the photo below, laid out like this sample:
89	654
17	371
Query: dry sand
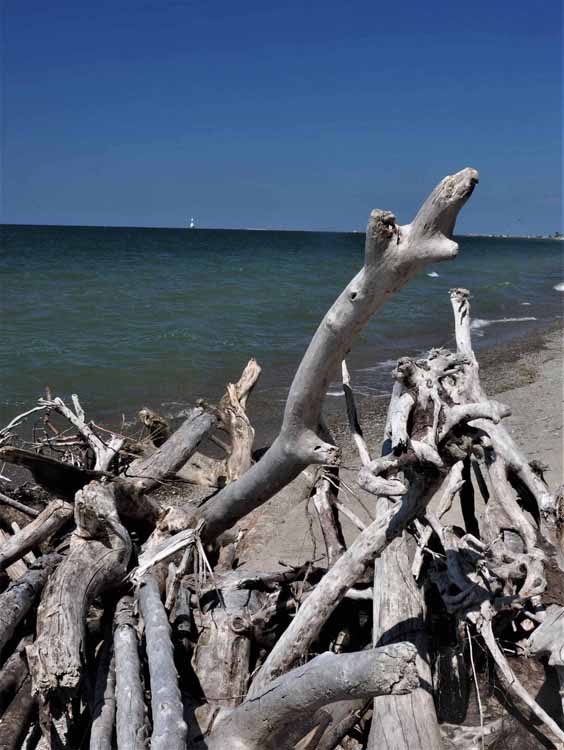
526	374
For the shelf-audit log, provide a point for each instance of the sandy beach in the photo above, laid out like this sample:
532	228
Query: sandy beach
526	374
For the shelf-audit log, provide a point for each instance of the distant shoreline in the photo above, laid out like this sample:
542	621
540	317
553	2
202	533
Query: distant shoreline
496	236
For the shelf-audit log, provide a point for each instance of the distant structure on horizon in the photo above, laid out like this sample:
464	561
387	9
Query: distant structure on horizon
191	224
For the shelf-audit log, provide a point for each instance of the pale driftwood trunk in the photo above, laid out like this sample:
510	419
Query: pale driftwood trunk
50	520
394	254
98	557
169	727
279	714
130	706
402	721
222	656
21	595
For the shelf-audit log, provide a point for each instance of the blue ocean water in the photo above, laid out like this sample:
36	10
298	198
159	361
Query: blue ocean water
160	317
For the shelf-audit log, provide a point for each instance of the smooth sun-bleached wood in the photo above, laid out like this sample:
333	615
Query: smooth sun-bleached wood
393	255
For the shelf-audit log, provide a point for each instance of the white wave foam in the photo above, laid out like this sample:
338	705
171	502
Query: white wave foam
433	275
559	287
528	304
479	323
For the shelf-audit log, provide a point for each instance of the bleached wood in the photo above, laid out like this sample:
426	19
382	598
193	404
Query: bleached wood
274	718
399	614
169	728
354	424
105	452
99	553
305	627
104	708
393	255
144	474
50	520
18	506
16	569
130	706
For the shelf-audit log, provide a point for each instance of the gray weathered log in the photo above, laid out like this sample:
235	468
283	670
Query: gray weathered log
13	672
393	255
274	719
104	708
222	657
312	615
169	727
50	520
98	557
17	717
20	596
401	721
130	706
145	474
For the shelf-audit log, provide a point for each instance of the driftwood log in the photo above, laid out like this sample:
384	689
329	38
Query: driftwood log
140	631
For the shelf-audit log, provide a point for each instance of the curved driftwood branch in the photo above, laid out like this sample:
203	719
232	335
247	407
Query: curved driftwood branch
50	520
272	718
105	452
393	255
169	728
99	553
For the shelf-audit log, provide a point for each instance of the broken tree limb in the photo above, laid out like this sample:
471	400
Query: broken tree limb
278	713
399	614
105	452
485	628
169	727
393	255
50	520
130	706
20	596
99	553
145	474
352	414
312	615
104	708
16	569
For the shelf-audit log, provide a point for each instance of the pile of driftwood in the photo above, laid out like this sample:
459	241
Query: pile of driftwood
128	624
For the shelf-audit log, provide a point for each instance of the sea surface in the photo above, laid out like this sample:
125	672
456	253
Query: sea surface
129	318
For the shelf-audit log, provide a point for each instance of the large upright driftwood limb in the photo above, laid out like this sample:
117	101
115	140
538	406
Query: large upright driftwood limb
99	553
402	721
393	255
275	718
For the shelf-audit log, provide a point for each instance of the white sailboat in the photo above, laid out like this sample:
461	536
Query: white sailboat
191	225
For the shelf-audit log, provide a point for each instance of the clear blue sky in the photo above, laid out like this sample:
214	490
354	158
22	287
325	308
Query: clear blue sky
279	114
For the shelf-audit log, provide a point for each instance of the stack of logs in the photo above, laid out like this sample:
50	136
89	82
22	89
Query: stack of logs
125	623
